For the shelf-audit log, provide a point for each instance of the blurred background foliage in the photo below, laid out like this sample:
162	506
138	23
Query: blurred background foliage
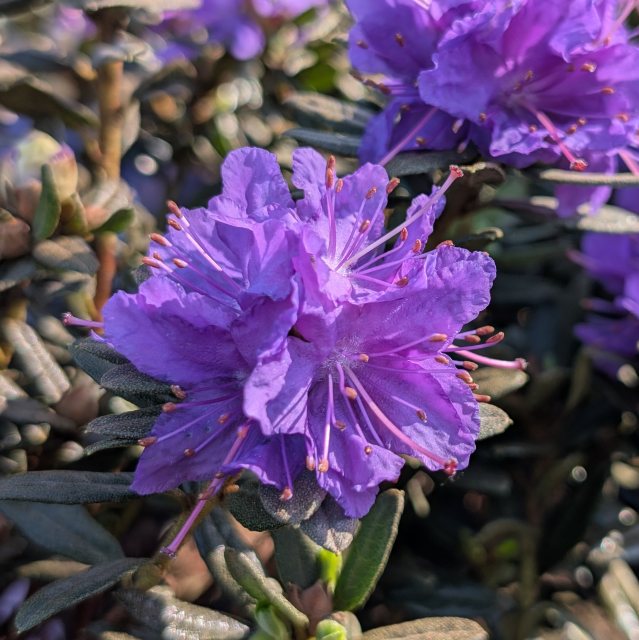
539	538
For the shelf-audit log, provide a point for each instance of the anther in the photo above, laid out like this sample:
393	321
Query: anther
363	357
446	243
571	129
472	338
405	108
174	209
608	91
470	366
231	488
310	463
150	262
322	467
383	88
498	337
287	494
450	468
530	74
160	239
482	117
148	441
485	330
403	234
473	387
442	359
340	425
223	418
350	393
371	192
169	407
582	121
181	264
189	453
533	128
361	44
402	282
421	141
175	224
368	449
157	256
417	246
399	39
392	185
438	337
330	172
482	397
465	376
579	165
590	67
339	185
363	228
219	475
624	117
178	392
421	414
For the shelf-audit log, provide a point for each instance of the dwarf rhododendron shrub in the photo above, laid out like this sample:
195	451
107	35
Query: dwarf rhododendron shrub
306	334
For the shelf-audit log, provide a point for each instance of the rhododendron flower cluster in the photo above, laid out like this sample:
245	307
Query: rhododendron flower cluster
525	81
305	334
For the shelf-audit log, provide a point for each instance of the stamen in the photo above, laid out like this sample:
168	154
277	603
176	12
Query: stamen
368	449
148	441
455	173
310	463
399	38
178	392
363	357
409	136
160	239
402	282
350	393
419	412
518	363
361	44
70	320
287	492
435	337
189	453
330	172
417	246
330	416
392	185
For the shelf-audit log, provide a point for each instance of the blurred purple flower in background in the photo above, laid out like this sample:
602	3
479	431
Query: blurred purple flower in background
612	331
235	24
525	81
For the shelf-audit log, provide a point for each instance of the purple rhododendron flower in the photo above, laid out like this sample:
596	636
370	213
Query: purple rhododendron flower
232	23
294	337
526	81
613	334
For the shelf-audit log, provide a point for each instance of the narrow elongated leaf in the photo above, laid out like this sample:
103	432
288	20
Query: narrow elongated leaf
492	421
66	253
63	529
174	619
14	271
295	557
62	594
307	499
326	110
67	487
247	508
369	552
118	222
47	213
499	382
419	162
330	527
15	7
126	381
430	629
251	576
127	427
340	143
95	357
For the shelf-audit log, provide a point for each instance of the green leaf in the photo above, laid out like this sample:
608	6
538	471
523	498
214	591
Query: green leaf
419	162
251	576
338	115
63	594
247	508
295	557
430	629
212	536
66	253
63	529
330	527
95	357
306	500
492	421
369	552
340	143
47	213
330	630
498	383
174	619
118	222
67	487
126	381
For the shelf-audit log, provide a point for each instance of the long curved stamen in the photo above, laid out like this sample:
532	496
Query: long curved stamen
435	337
185	427
578	164
287	492
455	173
215	485
70	320
618	23
518	363
407	139
330	419
448	465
